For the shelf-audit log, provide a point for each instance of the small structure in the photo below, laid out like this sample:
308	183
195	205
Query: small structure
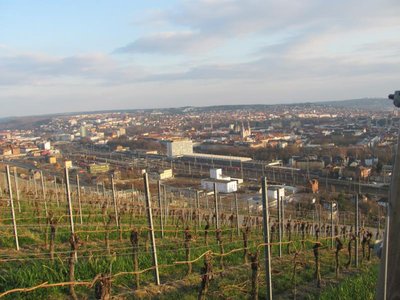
162	174
98	168
223	184
51	160
36	175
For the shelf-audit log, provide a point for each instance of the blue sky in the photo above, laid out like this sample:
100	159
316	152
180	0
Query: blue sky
59	56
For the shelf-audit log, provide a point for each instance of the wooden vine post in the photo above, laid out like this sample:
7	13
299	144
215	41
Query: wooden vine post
44	193
357	232
339	246
289	235
135	255
56	191
17	188
279	200
53	223
254	275
237	215
103	288
316	247
332	229
206	276
206	228
151	226
160	208
245	232
73	240
349	249
114	201
198	209
70	211
216	206
267	251
221	246
15	231
78	194
188	238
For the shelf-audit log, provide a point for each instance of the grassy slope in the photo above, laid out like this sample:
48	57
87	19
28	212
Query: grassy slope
361	286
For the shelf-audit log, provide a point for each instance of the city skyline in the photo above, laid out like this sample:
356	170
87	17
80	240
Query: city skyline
63	57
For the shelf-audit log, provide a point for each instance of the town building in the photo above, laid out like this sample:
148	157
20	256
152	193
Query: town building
179	147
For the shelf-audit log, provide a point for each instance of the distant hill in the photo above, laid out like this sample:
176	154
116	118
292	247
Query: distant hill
373	104
23	122
369	104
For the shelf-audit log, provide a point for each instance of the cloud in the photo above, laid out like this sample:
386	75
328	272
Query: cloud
169	43
213	23
38	69
272	70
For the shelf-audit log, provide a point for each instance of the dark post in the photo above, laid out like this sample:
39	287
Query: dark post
237	215
279	202
332	229
114	201
266	238
160	207
78	191
216	206
356	233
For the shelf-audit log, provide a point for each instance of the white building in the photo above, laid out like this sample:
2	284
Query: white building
178	148
83	131
223	184
45	146
274	190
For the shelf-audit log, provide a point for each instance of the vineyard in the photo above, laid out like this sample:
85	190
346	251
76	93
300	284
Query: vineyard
60	239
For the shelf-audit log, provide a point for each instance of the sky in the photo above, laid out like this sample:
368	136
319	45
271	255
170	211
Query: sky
66	56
